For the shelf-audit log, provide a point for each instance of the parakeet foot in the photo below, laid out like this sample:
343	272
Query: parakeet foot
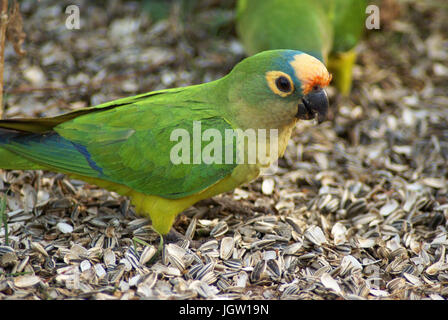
175	236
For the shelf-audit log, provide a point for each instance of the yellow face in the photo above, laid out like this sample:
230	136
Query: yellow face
310	71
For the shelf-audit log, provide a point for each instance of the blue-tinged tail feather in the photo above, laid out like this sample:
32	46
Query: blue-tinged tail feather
24	150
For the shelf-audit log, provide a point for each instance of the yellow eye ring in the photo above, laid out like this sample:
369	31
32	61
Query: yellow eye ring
280	83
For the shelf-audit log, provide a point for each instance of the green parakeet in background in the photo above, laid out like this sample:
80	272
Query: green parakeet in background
327	29
134	145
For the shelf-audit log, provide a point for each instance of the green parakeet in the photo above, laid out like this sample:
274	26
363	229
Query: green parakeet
134	145
327	29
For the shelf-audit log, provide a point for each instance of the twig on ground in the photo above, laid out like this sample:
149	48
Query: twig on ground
11	28
4	218
3	25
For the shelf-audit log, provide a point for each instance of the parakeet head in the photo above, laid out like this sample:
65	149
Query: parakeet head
274	88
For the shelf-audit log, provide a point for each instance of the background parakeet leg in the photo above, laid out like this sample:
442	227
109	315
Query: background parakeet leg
341	66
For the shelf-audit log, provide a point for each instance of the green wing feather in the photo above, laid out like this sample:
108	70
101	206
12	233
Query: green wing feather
127	142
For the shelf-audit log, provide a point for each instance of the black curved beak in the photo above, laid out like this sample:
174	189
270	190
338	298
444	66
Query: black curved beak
313	105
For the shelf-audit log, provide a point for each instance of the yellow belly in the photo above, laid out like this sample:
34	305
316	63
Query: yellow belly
162	211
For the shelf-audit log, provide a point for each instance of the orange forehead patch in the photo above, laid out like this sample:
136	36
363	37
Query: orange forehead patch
310	71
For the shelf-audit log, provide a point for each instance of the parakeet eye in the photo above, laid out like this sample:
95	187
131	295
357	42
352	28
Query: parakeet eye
280	83
283	84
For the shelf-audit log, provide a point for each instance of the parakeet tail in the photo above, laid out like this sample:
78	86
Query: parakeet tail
11	160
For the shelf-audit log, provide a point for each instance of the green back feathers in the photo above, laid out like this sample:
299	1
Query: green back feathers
312	26
348	24
283	24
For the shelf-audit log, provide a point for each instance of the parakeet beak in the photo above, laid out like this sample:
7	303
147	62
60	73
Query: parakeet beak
313	105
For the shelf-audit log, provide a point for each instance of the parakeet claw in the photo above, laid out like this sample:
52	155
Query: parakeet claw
313	105
174	236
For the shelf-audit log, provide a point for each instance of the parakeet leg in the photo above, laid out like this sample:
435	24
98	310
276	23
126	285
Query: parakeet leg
161	244
341	66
